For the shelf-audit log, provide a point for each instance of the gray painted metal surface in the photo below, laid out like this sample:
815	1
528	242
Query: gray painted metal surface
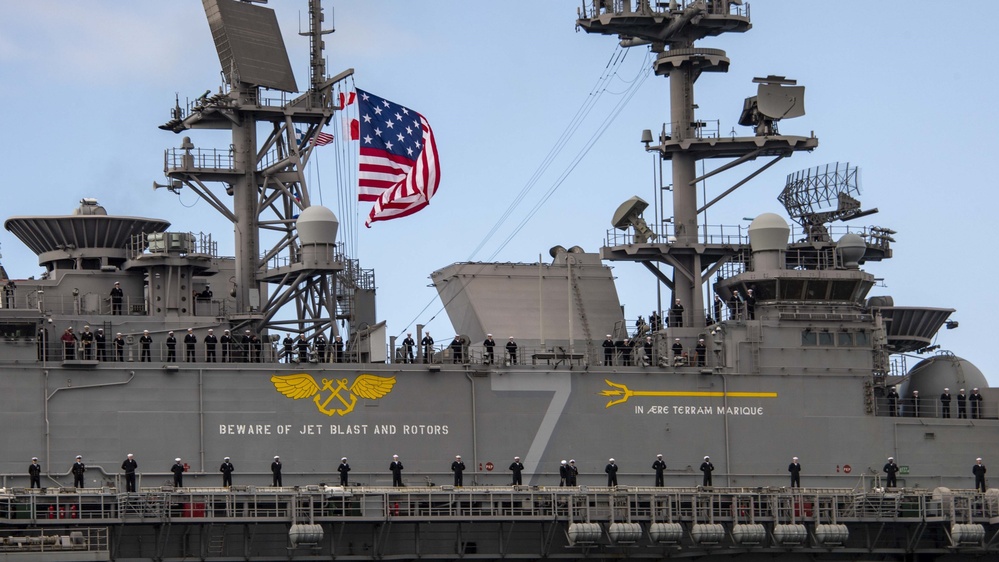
803	368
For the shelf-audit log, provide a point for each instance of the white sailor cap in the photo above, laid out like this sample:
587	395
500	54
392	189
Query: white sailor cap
276	457
170	333
489	335
563	461
176	459
516	458
979	459
610	459
511	337
36	458
794	458
706	457
608	335
660	455
677	339
129	455
395	456
974	390
457	456
343	458
572	461
79	457
891	458
946	389
225	459
190	329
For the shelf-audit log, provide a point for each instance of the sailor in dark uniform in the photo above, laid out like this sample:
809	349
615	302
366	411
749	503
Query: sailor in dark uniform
190	341
719	305
489	346
321	344
677	353
659	466
511	350
408	345
69	340
178	473
611	470
563	473
626	348
256	348
117	296
976	404
226	469
750	304
87	341
210	342
891	469
649	349
676	315
396	468
145	341
456	350
35	473
609	350
245	344
102	345
171	345
119	347
979	471
915	403
428	347
129	466
517	468
276	471
701	350
707	468
78	469
302	346
457	467
225	342
343	469
289	346
571	473
893	402
945	403
962	405
795	469
338	349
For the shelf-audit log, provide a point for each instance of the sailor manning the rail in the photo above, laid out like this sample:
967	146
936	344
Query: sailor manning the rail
343	469
945	403
611	470
707	468
517	468
893	402
891	469
35	473
178	473
659	466
457	467
129	466
226	469
979	471
396	468
795	469
78	469
276	471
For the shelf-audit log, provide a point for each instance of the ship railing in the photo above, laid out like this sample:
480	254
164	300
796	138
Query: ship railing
317	503
199	159
53	540
932	407
738	235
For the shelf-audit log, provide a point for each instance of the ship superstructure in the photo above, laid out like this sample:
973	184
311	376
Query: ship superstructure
777	349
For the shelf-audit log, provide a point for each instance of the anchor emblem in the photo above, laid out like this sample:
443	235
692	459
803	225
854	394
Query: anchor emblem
625	393
302	385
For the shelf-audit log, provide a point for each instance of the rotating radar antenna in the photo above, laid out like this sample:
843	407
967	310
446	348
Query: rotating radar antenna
818	196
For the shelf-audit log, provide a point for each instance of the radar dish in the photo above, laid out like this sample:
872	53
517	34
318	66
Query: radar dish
249	44
629	214
823	194
781	102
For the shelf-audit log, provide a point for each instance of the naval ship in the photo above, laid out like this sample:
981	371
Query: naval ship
770	345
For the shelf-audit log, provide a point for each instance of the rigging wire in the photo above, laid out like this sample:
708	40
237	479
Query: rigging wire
567	133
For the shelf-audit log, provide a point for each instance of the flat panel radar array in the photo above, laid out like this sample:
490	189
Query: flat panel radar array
249	43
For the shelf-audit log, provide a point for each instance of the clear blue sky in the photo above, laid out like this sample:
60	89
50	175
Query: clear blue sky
904	90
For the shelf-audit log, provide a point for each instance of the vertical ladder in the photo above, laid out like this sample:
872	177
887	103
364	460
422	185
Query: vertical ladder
578	297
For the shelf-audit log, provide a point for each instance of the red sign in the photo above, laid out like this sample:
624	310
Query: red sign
846	468
489	466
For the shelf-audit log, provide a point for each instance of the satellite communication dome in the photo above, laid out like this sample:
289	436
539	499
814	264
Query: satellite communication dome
317	225
768	232
932	375
851	248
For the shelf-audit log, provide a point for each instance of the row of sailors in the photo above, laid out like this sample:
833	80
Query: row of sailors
916	406
247	348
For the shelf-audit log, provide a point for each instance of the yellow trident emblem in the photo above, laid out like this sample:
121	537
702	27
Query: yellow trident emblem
623	393
302	385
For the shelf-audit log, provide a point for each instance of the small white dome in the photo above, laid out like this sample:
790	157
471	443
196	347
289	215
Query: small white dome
317	225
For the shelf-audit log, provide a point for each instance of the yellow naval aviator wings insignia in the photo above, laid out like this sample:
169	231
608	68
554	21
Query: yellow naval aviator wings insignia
302	385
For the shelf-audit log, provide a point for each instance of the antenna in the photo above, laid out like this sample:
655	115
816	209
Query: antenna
629	214
821	195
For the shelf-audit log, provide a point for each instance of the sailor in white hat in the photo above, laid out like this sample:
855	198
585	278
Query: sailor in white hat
129	466
707	468
563	473
458	467
659	466
517	467
795	469
396	468
343	469
891	469
35	473
276	471
78	469
227	469
611	470
178	473
979	471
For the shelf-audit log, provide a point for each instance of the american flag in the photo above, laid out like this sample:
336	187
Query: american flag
398	167
322	139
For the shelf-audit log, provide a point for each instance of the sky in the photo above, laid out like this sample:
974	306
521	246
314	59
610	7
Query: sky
904	91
